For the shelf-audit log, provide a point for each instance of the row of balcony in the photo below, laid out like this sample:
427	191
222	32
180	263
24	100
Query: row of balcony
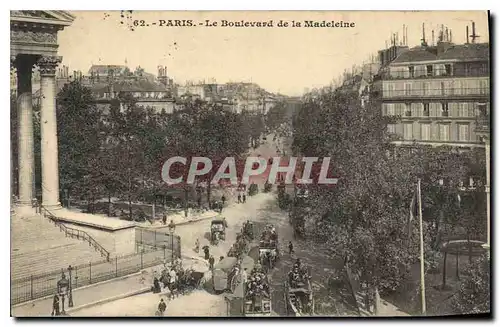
437	93
436	73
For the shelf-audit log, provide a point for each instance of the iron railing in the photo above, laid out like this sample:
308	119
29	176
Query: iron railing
38	286
437	92
153	239
73	232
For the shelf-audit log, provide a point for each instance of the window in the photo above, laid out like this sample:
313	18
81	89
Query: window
444	110
411	69
426	109
407	88
425	88
425	132
408	131
447	69
391	128
464	109
483	87
390	109
463	132
429	70
444	132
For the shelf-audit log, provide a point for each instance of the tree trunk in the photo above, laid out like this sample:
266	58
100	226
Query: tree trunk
209	193
129	206
109	204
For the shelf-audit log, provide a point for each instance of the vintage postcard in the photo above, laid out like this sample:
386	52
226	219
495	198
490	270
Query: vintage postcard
250	163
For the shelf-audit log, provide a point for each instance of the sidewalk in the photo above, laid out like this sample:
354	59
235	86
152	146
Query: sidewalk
180	219
103	292
136	283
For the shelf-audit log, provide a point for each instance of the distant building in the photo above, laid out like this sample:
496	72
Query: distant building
439	93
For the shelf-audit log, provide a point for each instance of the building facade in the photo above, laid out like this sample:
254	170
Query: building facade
438	94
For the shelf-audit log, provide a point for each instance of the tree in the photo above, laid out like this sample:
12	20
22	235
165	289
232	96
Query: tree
78	123
364	218
474	293
276	116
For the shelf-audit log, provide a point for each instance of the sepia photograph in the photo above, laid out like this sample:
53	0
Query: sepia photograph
250	164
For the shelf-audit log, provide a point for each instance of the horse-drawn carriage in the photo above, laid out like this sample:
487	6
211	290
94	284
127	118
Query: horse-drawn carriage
226	274
257	299
217	231
268	247
247	230
239	248
299	298
185	280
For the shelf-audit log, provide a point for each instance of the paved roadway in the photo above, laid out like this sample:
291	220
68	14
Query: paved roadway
262	209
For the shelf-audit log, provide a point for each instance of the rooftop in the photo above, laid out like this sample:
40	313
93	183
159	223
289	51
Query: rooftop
464	52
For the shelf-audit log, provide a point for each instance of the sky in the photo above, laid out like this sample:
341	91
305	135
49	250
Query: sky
288	60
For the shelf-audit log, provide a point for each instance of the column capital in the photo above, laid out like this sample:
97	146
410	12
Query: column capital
48	65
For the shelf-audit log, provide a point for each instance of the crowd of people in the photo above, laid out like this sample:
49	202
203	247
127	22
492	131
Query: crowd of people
299	275
269	235
175	278
257	284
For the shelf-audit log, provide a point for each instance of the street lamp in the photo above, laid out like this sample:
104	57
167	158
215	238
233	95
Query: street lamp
62	289
171	228
70	295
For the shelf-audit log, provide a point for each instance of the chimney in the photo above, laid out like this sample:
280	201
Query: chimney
404	35
467	34
432	40
474	36
447	35
451	40
424	43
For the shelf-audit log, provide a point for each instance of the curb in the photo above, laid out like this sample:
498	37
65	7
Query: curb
110	299
75	289
179	224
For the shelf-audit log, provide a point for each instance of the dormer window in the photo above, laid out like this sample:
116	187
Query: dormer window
411	70
429	70
447	69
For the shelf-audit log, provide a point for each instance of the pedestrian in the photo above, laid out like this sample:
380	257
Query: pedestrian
156	285
244	198
162	306
206	249
244	276
55	306
239	197
164	218
197	246
290	247
211	262
223	200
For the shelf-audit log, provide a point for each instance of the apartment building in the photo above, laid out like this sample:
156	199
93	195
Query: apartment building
440	94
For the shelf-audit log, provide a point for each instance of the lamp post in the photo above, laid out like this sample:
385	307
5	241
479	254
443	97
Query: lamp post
171	228
70	290
62	289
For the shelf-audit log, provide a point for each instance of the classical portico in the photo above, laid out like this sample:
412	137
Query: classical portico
34	43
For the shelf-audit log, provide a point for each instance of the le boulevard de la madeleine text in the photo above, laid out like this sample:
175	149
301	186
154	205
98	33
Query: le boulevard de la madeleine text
244	23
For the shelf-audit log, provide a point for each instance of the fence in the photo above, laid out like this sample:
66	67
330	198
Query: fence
153	239
34	287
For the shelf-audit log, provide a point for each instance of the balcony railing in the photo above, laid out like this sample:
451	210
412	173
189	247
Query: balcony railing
437	93
435	73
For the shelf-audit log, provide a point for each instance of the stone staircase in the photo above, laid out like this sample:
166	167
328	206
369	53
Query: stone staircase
39	246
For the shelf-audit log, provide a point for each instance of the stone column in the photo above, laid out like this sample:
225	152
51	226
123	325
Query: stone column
48	123
26	157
